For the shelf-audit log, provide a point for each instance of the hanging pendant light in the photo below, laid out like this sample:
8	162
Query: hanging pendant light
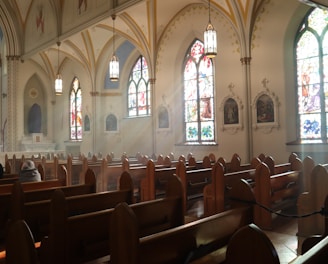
210	42
59	81
114	65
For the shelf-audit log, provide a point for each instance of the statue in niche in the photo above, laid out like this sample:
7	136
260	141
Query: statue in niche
34	119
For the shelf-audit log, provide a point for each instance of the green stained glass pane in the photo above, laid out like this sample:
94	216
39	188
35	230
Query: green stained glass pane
207	131
191	131
310	126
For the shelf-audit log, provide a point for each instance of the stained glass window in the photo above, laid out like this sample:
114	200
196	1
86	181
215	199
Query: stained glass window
76	110
198	95
311	54
139	100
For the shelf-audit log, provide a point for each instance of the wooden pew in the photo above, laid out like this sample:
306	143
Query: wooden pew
234	164
36	214
276	192
217	193
29	186
312	201
85	237
153	180
181	244
11	203
293	163
194	181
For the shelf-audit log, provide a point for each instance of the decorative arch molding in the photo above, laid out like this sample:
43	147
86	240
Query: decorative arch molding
10	31
219	16
266	110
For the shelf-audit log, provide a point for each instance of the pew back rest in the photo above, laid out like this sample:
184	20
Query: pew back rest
260	250
173	245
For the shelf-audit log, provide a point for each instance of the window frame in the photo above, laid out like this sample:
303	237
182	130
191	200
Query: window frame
302	29
142	80
76	127
199	121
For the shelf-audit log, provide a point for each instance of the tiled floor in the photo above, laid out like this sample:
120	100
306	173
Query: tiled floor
283	237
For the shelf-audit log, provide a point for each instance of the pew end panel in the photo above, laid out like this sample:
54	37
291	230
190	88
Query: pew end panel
312	201
276	192
251	245
23	252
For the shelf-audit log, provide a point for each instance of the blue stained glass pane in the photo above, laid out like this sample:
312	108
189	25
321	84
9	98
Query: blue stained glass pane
207	133
310	126
192	131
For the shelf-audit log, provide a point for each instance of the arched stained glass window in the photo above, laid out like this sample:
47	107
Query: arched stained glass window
75	110
198	95
139	100
311	55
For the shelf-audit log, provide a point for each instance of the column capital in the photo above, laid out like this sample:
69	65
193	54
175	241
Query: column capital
246	60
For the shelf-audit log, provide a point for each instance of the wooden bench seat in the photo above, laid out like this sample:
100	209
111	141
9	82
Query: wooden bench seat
85	237
190	241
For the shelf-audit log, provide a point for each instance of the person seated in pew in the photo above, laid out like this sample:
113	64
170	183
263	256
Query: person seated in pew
29	172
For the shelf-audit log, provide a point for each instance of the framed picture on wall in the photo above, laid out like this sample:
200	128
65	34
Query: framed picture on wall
231	112
266	109
231	109
111	124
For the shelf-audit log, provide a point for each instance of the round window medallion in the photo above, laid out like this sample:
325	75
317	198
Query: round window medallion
33	93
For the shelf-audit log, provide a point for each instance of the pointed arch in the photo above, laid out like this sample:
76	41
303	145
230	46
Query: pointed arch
139	100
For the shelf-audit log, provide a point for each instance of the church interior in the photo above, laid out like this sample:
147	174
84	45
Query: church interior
97	88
